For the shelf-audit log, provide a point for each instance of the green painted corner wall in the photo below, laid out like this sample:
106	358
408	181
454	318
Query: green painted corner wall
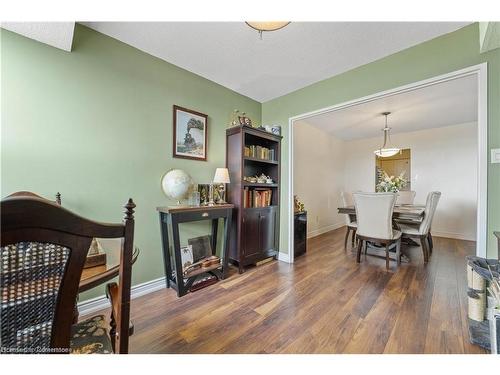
96	125
444	54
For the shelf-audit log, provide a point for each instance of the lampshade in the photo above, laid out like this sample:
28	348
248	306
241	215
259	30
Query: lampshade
267	26
221	176
385	151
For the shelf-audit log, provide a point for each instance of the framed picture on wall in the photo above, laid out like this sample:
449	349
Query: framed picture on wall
190	134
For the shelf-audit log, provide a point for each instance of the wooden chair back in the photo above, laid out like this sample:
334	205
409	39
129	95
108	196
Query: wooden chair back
25	193
43	250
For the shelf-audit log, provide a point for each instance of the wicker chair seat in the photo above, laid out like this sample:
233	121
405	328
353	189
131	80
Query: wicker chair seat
90	337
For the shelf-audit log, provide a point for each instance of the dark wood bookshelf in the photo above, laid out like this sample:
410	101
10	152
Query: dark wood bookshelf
255	230
257	208
255	184
258	160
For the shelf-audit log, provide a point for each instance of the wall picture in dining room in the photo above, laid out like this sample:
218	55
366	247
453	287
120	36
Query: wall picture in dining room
190	134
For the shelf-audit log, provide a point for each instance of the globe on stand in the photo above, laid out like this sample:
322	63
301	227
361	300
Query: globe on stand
176	184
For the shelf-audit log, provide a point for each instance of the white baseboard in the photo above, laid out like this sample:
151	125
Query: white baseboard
325	229
453	235
456	236
99	303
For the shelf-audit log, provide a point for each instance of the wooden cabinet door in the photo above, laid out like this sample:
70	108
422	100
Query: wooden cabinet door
267	226
250	239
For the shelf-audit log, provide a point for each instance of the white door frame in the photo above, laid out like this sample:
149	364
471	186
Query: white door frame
481	72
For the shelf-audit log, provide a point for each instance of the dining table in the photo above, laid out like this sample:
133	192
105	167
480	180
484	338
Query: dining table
403	213
414	212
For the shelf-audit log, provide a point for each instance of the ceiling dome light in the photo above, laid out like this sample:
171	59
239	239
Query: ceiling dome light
385	151
267	26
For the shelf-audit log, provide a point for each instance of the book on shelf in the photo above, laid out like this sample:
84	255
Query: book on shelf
257	197
259	152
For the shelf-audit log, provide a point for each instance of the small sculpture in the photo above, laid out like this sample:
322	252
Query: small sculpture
234	118
95	247
262	179
298	205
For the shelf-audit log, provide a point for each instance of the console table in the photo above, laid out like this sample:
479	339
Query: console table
170	218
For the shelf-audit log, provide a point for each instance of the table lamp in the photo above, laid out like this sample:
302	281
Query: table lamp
222	177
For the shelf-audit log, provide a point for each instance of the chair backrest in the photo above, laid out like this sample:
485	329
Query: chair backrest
430	210
43	249
24	193
348	201
406	197
374	214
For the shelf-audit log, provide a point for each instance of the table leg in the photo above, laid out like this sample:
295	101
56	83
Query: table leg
181	288
166	248
215	227
225	248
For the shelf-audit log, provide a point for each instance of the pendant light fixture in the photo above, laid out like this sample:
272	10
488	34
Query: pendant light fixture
386	150
267	26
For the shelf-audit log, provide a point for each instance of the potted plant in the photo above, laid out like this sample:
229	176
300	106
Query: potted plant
390	184
494	316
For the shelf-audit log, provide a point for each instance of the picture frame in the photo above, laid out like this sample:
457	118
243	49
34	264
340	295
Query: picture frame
218	190
186	257
204	190
190	136
201	247
276	129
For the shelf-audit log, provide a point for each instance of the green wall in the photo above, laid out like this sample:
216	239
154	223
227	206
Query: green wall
96	125
445	54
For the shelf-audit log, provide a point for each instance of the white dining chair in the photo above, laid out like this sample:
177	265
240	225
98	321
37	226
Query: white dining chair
422	231
374	223
351	219
406	197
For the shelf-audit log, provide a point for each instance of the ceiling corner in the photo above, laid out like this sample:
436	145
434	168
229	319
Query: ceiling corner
55	34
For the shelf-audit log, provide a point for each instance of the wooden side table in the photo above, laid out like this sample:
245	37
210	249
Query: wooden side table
170	218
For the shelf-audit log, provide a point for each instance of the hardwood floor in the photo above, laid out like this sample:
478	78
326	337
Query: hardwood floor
324	303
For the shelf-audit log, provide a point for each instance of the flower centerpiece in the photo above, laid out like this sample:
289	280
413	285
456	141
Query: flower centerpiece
390	184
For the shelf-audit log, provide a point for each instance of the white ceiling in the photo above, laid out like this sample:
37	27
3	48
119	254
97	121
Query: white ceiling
55	34
450	103
231	53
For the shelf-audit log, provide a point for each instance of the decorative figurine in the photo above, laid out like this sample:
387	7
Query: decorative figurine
234	118
244	120
298	205
262	179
